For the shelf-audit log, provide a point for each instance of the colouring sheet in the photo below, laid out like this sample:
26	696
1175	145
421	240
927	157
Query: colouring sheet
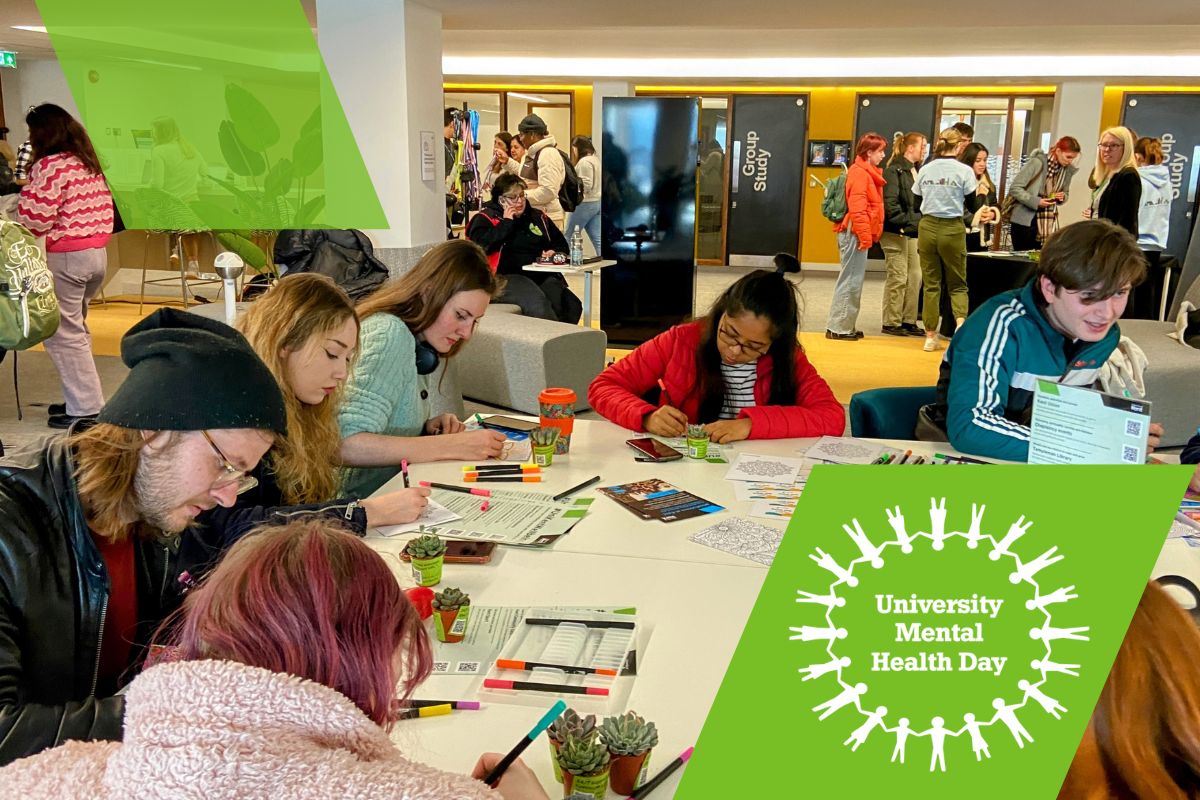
743	538
765	469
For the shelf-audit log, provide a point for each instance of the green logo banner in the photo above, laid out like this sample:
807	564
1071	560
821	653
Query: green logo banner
934	633
215	115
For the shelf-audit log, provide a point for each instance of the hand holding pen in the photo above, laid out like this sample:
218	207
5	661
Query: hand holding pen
666	420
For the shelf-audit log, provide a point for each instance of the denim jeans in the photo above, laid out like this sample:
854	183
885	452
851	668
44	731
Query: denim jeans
586	216
847	292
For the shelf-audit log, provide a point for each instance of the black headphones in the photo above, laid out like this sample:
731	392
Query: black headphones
427	358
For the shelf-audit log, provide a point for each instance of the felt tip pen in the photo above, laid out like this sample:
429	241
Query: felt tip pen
472	477
503	468
904	457
498	771
575	489
663	388
404	471
587	623
458	705
423	711
478	419
450	488
506	663
919	460
652	784
564	688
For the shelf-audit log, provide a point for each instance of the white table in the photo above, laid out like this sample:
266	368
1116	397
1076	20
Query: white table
587	270
695	614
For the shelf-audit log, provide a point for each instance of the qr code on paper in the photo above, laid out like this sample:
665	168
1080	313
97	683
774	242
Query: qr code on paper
468	667
1129	455
441	666
1133	427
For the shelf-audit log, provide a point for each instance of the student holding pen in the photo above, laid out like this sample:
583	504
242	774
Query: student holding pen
292	654
740	370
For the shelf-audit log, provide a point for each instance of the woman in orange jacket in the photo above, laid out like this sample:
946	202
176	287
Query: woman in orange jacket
858	230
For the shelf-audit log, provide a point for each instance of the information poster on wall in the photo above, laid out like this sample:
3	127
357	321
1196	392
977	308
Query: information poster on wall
767	174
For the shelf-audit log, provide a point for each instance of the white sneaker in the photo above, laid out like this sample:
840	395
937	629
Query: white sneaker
931	344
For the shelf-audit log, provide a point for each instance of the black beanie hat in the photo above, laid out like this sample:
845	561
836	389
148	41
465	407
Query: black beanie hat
191	373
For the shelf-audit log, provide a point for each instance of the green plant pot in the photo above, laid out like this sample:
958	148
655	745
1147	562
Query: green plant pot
543	456
595	785
428	571
554	747
697	448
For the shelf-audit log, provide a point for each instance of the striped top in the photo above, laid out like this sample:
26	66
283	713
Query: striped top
67	203
739	387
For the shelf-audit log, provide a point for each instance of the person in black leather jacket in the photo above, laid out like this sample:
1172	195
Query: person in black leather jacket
92	524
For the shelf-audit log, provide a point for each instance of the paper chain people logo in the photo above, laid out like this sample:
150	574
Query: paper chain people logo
998	711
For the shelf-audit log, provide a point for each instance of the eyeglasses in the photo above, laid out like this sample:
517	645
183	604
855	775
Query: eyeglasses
229	473
1110	146
731	340
512	198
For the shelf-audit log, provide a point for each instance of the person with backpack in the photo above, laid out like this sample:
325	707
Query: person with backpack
67	201
858	229
552	186
514	234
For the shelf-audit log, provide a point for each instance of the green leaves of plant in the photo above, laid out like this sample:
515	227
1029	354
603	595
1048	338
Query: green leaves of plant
238	156
251	120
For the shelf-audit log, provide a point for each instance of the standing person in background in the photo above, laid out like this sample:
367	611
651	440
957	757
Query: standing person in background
1036	192
516	151
943	184
543	169
68	202
1115	183
859	229
901	216
24	161
6	151
979	207
501	162
587	214
1154	224
175	169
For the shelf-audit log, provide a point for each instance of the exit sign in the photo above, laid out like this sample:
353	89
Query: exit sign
8	59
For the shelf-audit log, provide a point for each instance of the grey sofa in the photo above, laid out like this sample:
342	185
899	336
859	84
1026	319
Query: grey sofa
511	358
1172	379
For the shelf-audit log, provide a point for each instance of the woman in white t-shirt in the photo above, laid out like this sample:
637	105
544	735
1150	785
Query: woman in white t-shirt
175	169
943	185
587	214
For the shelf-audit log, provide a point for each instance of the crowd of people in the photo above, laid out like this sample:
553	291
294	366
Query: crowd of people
206	545
928	217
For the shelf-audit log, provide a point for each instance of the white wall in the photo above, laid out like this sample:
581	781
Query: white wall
34	81
1077	107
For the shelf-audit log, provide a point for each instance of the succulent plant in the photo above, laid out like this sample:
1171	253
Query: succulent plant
628	734
450	599
696	432
582	756
426	546
571	724
544	437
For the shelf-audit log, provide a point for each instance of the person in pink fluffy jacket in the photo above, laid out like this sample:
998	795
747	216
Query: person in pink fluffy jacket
281	684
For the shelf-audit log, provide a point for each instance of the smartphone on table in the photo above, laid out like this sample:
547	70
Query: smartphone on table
653	450
460	552
501	423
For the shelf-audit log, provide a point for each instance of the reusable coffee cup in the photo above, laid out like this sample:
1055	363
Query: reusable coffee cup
557	407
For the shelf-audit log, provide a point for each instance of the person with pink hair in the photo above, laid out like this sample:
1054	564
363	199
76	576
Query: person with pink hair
279	680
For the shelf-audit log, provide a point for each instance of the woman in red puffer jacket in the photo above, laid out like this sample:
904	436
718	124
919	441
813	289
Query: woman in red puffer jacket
858	230
740	370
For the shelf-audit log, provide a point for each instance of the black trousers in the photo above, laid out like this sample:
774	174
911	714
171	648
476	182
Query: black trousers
1024	237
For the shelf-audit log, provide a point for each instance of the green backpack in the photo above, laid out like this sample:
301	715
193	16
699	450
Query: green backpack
833	206
28	305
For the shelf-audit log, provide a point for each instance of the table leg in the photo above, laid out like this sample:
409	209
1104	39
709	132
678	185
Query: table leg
587	299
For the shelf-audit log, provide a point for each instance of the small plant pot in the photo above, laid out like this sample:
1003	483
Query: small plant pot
595	785
428	571
451	626
554	748
543	456
626	773
697	448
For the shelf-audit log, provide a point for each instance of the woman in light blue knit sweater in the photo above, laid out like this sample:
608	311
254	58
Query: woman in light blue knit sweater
413	321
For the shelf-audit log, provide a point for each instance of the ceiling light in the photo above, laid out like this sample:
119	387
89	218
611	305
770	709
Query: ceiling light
34	28
872	67
532	97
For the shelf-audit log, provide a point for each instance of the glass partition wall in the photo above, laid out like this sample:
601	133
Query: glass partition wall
1010	127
